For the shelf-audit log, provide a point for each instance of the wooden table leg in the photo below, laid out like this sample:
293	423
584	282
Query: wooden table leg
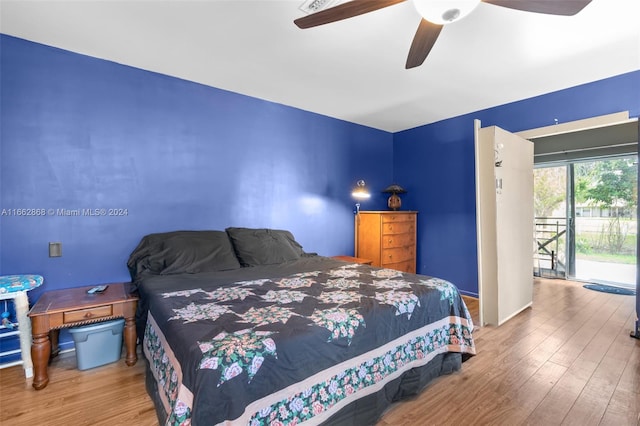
40	352
55	346
130	340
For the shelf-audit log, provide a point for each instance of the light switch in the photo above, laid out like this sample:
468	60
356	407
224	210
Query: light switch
55	249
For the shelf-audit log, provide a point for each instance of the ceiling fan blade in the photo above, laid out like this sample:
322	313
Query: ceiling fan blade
423	41
549	7
343	11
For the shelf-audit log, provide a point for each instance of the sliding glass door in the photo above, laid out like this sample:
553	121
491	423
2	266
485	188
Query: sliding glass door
605	194
586	225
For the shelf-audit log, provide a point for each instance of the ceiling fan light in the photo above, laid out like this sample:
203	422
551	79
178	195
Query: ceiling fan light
444	11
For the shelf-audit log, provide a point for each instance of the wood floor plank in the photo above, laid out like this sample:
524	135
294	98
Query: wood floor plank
612	350
581	338
623	409
108	395
527	397
630	380
560	399
592	403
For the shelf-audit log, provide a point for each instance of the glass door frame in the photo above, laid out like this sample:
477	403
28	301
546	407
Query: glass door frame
570	247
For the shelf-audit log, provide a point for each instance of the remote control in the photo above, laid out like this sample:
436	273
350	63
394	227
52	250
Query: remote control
97	289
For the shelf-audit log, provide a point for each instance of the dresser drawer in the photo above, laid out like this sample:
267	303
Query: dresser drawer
88	314
392	218
406	266
399	254
398	240
398	228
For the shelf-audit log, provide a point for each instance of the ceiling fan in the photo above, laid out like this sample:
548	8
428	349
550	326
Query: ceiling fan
436	14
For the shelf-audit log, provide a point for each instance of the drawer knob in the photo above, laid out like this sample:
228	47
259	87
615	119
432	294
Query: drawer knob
88	315
390	241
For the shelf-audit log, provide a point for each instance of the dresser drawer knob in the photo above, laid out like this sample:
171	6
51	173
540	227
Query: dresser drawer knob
390	241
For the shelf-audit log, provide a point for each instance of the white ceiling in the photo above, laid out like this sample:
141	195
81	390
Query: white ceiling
352	69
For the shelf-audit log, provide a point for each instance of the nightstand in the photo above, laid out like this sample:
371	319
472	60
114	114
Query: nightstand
73	307
352	259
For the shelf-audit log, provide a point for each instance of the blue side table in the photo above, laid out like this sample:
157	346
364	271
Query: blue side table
16	287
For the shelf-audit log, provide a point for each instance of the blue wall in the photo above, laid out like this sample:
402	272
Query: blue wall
436	164
84	133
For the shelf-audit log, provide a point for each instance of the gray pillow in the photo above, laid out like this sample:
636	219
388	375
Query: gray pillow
198	251
183	252
264	246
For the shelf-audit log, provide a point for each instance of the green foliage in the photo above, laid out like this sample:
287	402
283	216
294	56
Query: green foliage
607	183
627	259
583	245
549	190
600	247
614	234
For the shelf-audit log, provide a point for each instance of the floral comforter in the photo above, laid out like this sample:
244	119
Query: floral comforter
295	345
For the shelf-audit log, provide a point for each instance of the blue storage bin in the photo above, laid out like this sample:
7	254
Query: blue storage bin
98	344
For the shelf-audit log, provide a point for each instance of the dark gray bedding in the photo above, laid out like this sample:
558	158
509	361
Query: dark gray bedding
308	340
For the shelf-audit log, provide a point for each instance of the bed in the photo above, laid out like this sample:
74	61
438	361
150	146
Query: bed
243	326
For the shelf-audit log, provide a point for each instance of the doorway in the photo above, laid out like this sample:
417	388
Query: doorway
586	226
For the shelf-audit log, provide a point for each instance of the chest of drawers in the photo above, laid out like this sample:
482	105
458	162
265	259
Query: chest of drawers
388	238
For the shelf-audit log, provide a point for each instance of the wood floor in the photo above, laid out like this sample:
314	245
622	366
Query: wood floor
569	360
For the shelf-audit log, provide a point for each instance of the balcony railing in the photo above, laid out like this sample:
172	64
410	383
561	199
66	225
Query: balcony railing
550	236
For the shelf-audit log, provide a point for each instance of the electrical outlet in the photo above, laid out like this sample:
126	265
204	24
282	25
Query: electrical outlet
55	249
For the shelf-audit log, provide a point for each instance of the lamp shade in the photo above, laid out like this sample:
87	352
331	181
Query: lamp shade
394	189
394	201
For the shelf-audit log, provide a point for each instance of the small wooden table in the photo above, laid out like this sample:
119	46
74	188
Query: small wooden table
352	259
73	307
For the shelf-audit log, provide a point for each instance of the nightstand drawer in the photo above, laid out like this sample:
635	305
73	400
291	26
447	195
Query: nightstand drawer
88	314
398	240
398	228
